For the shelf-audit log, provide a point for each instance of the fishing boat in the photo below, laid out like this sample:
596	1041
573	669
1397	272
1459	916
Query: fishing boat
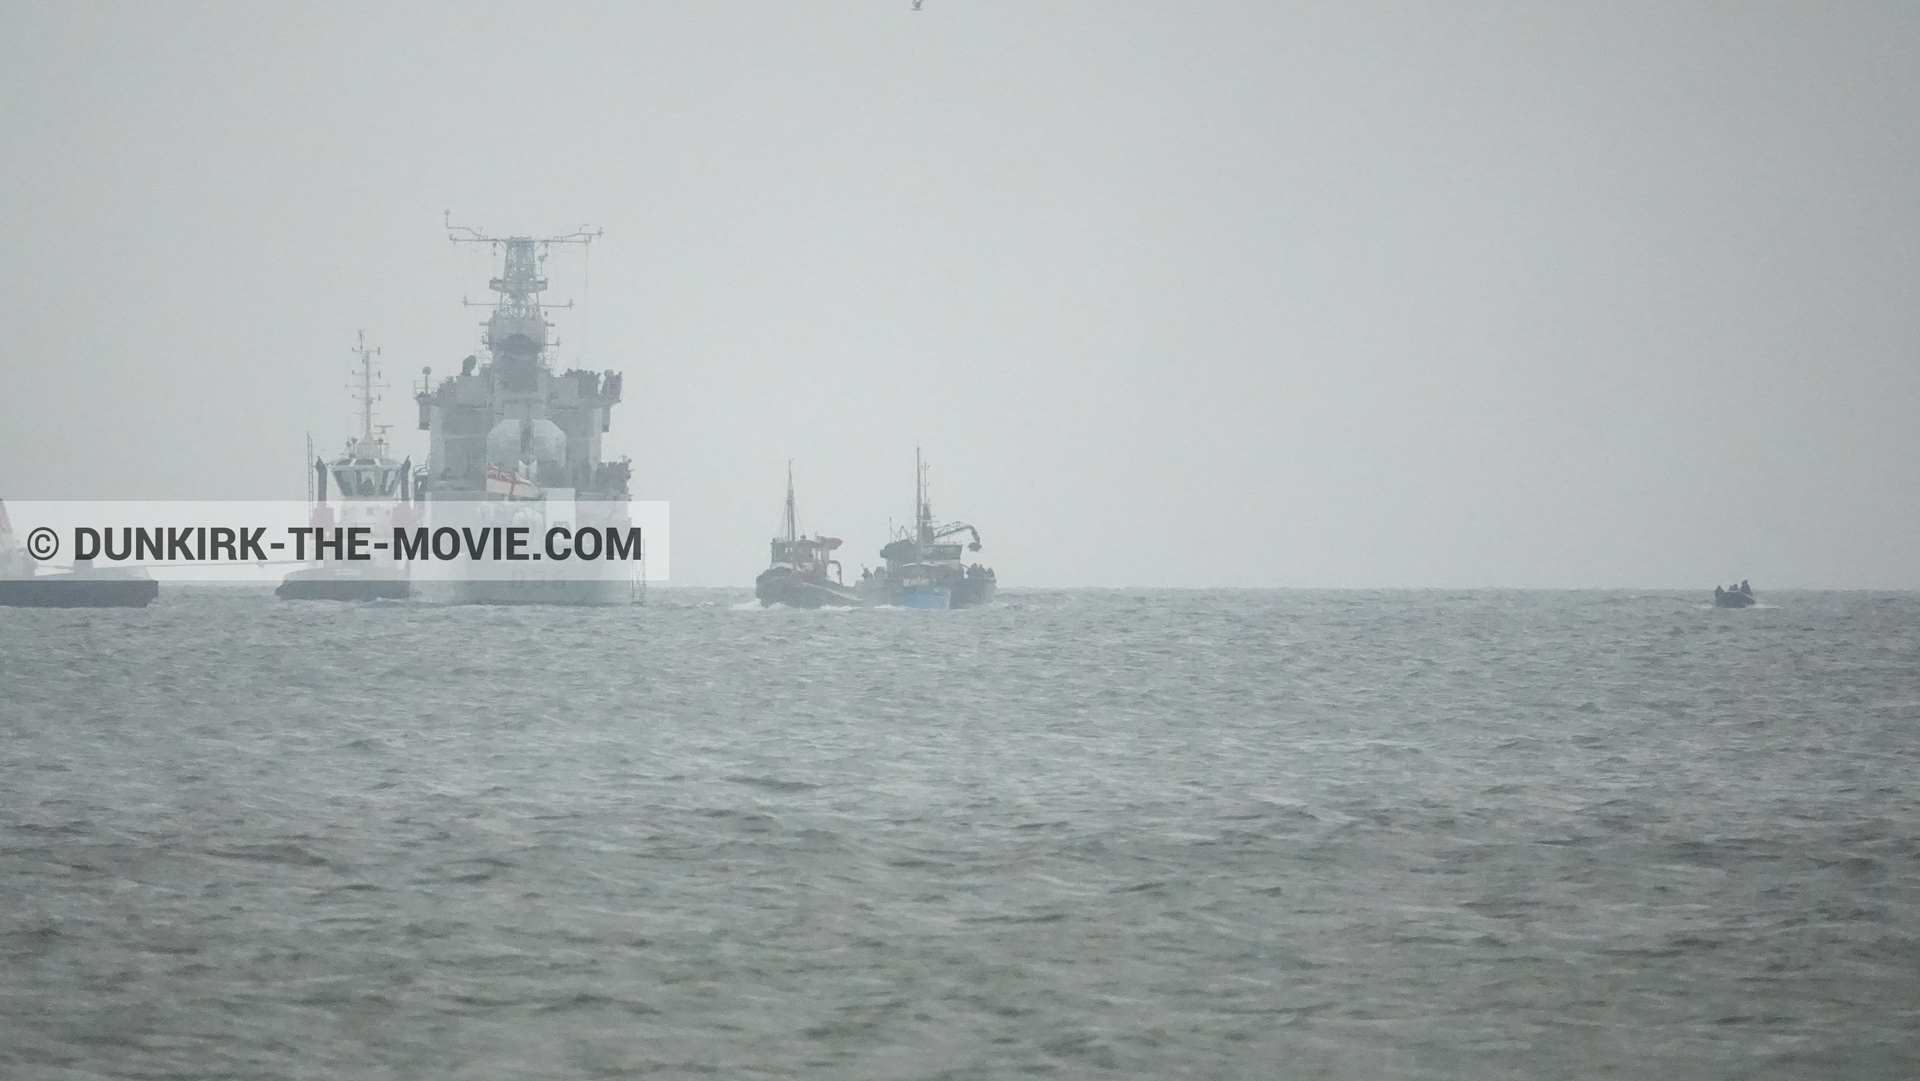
1740	596
925	565
798	574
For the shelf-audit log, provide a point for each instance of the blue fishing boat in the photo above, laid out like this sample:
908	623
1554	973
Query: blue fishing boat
925	564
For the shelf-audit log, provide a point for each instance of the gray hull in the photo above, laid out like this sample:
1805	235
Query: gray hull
331	584
795	591
77	591
973	592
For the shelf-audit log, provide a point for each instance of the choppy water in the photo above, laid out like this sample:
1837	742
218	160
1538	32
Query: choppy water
1086	834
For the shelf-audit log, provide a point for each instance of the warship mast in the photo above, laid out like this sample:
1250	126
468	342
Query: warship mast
518	313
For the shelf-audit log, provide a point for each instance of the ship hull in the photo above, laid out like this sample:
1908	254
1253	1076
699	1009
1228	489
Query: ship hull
795	591
927	598
973	592
331	584
937	592
76	591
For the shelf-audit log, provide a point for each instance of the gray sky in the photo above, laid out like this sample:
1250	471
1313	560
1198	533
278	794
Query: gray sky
1253	294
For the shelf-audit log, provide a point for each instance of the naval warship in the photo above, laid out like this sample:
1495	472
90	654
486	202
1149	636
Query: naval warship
373	491
797	575
924	567
513	441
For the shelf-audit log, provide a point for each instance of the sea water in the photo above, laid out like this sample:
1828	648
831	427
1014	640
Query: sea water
1076	834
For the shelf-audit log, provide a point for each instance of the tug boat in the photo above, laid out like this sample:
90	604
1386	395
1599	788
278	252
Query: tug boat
373	492
798	573
924	566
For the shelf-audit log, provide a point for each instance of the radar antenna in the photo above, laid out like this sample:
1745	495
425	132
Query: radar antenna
586	234
520	281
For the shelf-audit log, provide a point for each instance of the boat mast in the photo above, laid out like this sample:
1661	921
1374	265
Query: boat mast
793	532
922	507
365	396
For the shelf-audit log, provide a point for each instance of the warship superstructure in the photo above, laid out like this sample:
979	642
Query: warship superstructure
511	432
797	574
925	567
372	490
